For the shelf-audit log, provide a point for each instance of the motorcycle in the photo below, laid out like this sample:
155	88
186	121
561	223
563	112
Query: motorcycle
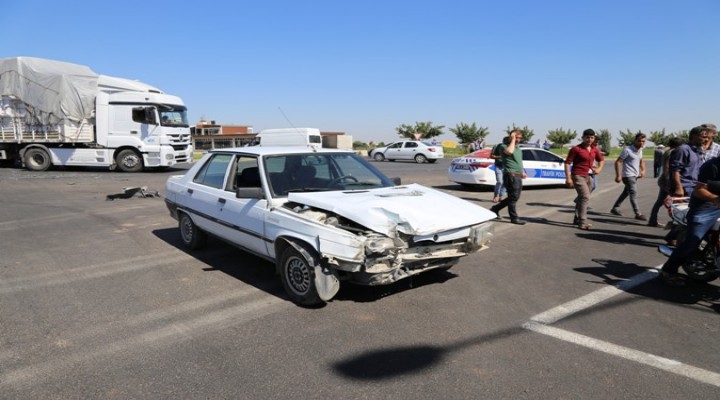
704	264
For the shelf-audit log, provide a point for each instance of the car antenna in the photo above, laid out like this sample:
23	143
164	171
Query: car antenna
293	126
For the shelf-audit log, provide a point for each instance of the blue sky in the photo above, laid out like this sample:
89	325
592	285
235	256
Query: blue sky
366	67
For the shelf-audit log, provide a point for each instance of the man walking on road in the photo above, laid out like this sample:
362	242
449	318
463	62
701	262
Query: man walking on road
512	176
630	167
582	157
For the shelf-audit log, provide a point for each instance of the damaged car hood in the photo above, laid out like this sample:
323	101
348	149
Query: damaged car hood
411	209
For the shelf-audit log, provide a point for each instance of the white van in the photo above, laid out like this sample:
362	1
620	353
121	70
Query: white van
290	137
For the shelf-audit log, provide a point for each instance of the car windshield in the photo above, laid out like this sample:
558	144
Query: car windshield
321	172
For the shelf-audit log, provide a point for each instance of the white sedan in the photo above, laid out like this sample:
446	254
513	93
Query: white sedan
420	152
541	167
323	216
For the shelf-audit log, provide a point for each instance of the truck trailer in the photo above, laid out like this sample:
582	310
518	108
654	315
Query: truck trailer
54	113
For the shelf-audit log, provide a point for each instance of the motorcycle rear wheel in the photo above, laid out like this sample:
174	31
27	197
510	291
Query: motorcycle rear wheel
701	267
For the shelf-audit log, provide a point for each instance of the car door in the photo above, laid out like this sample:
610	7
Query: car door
549	169
241	220
394	151
410	150
203	192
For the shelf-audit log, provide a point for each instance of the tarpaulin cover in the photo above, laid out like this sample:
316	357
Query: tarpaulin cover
51	90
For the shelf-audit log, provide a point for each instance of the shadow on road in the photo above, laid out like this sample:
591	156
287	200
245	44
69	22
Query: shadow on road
393	362
614	272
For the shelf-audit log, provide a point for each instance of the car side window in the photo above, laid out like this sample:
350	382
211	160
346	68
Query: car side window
247	173
528	155
547	156
411	144
395	146
213	172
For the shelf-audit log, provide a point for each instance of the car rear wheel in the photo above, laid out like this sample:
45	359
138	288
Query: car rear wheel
420	159
297	273
379	157
191	236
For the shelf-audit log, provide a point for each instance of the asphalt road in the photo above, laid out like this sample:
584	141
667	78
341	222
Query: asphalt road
99	300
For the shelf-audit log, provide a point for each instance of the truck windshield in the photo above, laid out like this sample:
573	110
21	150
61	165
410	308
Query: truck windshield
173	117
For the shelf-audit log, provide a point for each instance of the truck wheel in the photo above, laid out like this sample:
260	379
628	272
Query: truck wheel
192	237
298	277
129	161
379	157
36	159
420	159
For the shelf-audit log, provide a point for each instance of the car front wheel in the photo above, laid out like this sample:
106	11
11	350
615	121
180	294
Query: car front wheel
297	273
379	157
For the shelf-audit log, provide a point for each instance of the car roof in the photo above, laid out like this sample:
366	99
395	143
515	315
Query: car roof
277	150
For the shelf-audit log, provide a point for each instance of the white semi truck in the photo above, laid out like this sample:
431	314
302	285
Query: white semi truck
54	113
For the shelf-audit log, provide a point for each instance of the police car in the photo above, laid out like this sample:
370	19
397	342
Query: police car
541	167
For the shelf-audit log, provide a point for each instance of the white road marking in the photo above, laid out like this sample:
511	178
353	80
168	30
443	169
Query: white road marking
540	323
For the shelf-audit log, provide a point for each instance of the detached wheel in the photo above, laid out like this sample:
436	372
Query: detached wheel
298	277
36	159
192	237
420	159
129	161
379	157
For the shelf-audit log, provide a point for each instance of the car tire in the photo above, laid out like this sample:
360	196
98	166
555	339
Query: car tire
379	157
297	274
420	159
36	159
129	161
192	237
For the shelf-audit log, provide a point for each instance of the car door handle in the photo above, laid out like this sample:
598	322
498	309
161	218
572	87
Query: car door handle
222	200
190	191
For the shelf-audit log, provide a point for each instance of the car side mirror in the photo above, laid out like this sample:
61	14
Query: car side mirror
396	180
249	193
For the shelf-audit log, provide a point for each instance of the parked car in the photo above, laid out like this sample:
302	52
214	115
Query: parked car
323	216
419	151
541	167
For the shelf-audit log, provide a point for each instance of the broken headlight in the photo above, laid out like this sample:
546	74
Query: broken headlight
378	245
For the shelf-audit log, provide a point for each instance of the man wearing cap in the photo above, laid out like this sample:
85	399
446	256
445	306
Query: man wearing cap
582	157
630	167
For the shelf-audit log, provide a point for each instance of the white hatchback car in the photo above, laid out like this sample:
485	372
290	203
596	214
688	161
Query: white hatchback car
323	216
421	152
541	167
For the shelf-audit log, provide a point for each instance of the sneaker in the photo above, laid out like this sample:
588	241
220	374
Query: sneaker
518	222
615	211
656	224
584	227
640	217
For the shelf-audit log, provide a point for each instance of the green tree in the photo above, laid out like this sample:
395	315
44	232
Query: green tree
659	137
425	128
469	133
359	145
561	137
627	137
604	139
527	132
